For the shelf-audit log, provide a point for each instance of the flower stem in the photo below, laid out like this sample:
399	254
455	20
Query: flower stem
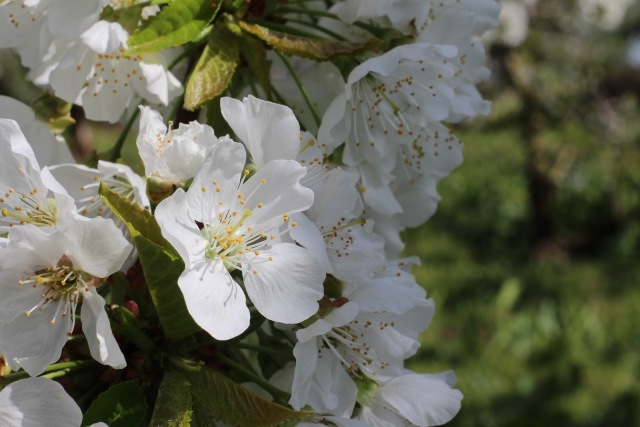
316	27
278	394
183	364
262	349
308	11
52	371
290	30
303	90
117	148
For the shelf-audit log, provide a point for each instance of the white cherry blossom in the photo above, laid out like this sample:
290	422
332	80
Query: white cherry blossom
226	222
411	400
28	195
43	278
173	155
350	342
48	148
96	74
36	402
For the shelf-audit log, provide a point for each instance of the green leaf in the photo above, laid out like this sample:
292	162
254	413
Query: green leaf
319	50
138	220
161	271
254	53
123	405
217	397
174	403
214	70
178	23
160	262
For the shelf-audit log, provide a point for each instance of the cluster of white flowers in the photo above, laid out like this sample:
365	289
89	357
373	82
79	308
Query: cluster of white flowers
275	222
68	48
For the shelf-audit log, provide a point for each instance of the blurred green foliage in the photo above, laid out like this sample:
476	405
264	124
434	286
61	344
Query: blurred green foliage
533	257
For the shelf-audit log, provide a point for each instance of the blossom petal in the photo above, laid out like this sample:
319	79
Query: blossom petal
96	327
97	246
285	283
423	399
270	131
214	300
180	229
276	190
36	402
32	342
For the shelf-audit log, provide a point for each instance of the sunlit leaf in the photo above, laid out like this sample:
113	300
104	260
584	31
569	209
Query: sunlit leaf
214	70
178	23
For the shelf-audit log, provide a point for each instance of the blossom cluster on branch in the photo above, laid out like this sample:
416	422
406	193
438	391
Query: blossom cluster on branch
255	274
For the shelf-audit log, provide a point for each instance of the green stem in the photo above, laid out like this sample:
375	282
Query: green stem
117	148
303	90
278	96
305	11
176	108
64	367
247	374
290	30
179	58
184	365
316	27
262	349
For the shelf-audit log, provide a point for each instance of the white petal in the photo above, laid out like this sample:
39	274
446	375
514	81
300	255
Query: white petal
270	131
37	402
32	342
423	399
338	317
159	84
97	246
285	283
332	391
10	131
137	183
338	198
180	229
220	177
307	234
16	299
276	187
214	300
97	329
105	37
72	16
306	354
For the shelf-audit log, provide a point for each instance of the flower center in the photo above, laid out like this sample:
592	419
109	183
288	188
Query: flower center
28	209
349	344
61	285
228	241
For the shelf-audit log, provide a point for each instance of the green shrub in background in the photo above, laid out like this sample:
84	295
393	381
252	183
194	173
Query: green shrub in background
534	253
